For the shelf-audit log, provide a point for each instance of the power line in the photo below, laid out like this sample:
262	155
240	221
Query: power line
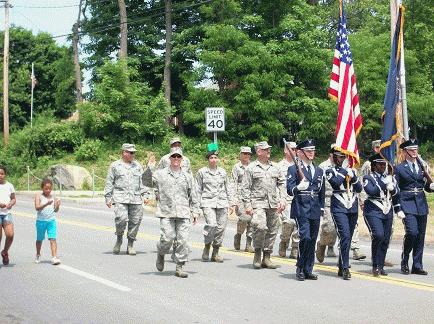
46	7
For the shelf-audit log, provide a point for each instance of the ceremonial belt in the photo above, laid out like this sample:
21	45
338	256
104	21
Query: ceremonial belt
381	203
311	193
415	190
344	198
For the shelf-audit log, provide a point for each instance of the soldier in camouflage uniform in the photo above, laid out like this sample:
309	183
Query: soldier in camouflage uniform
125	191
215	196
244	220
165	160
289	226
176	195
262	192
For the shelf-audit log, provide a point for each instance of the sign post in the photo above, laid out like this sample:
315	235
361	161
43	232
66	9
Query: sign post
215	120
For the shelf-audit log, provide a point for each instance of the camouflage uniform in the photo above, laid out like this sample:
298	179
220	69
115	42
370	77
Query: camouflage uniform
289	226
244	220
215	195
262	189
125	190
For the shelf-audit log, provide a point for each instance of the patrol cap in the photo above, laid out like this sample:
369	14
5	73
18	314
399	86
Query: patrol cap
245	149
409	144
262	145
376	143
129	147
307	145
175	151
211	153
175	140
376	158
292	145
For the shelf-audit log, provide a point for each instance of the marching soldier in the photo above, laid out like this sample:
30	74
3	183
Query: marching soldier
262	192
343	207
125	191
176	195
215	196
306	184
289	227
378	212
165	160
412	178
244	220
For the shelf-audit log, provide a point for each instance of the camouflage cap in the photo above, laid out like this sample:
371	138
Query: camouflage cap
175	151
376	143
245	149
262	145
129	147
175	140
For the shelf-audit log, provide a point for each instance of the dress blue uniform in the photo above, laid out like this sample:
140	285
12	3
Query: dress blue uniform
344	208
306	208
411	182
378	213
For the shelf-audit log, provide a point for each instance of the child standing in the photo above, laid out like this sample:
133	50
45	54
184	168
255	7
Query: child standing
7	200
47	208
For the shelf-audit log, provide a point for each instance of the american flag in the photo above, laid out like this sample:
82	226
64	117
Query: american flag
343	89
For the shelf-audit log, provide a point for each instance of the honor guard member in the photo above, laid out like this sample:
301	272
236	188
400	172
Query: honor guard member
262	192
165	160
176	195
412	180
289	227
125	191
344	206
327	230
215	196
244	220
307	206
382	192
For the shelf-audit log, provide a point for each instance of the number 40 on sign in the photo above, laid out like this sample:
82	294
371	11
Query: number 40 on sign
215	119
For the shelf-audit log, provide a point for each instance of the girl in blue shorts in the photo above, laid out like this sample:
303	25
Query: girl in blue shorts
7	200
47	207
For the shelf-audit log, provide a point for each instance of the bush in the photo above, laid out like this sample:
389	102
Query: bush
88	151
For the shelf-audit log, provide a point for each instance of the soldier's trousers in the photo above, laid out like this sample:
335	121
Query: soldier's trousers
345	224
289	229
174	229
355	241
327	233
131	213
414	239
265	225
214	229
380	229
308	229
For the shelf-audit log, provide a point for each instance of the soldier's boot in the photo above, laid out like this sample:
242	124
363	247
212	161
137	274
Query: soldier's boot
205	253
283	245
130	248
294	253
215	257
257	259
320	252
237	241
266	261
357	255
249	248
179	272
331	252
118	244
160	262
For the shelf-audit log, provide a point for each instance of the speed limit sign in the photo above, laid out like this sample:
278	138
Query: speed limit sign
215	119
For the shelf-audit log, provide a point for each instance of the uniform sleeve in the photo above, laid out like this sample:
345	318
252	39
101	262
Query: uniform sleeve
109	185
155	185
199	183
291	181
230	190
147	177
370	187
321	194
246	188
281	184
193	196
336	178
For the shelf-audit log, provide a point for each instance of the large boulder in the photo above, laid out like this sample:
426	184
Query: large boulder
72	177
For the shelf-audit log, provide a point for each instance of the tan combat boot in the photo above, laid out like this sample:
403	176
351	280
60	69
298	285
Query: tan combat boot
282	248
179	272
237	241
130	248
266	261
257	259
357	255
215	257
249	248
331	252
205	253
320	252
118	244
160	262
294	253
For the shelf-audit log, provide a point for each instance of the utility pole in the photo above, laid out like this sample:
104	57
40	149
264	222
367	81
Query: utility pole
6	75
75	40
124	29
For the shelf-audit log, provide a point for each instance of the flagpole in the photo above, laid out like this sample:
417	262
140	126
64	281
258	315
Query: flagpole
403	92
31	98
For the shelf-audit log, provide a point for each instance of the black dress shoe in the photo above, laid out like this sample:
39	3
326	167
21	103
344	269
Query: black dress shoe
383	273
419	272
405	269
299	275
310	276
376	272
340	272
346	274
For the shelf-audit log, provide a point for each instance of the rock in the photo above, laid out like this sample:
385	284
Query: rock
72	177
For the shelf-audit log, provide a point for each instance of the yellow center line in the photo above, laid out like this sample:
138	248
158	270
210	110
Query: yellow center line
282	261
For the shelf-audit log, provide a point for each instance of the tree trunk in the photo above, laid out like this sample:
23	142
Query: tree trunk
168	54
78	86
123	28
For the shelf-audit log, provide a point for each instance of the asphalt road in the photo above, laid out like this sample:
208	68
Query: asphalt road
94	286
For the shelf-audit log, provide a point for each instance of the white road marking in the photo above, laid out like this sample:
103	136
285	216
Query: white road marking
94	278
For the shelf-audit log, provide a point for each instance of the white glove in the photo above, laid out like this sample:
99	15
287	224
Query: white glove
350	173
303	185
400	214
388	179
390	186
431	186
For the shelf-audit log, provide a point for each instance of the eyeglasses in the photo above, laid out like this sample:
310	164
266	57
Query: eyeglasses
176	156
130	152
